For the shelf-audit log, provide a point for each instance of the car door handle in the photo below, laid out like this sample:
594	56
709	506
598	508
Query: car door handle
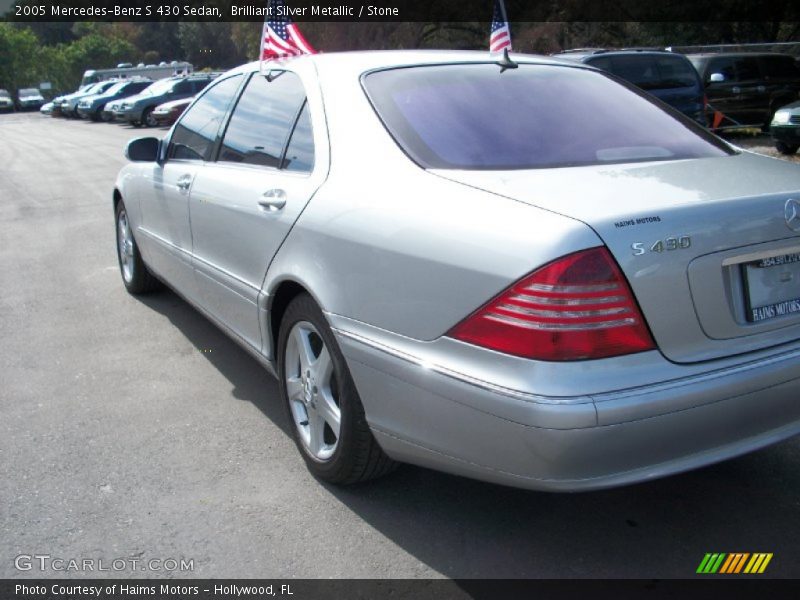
184	183
761	88
736	89
273	200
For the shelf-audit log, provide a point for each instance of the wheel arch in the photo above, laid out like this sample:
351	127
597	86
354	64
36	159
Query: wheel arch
280	298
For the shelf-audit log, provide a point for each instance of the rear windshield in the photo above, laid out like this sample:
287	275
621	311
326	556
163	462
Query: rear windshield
475	117
29	92
650	72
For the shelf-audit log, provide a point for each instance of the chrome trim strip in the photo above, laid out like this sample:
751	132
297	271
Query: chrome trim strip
204	262
598	399
754	256
574	289
162	241
473	381
558	326
563	314
566	301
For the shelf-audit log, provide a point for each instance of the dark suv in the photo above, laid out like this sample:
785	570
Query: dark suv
668	76
746	88
138	110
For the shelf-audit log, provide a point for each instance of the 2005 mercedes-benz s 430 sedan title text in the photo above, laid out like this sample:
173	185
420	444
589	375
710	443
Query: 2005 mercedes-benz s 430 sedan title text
524	271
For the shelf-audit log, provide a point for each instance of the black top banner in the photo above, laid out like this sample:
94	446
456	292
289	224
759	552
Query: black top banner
403	10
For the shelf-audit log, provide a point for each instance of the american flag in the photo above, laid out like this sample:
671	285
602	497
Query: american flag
500	36
280	36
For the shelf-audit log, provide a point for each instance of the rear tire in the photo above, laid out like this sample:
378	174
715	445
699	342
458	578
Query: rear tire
135	276
785	148
325	413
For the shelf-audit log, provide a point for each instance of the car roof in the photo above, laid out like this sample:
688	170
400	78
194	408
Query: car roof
367	60
734	54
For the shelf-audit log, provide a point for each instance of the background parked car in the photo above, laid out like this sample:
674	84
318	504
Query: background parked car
138	110
92	107
168	113
668	76
29	99
747	87
69	103
6	103
47	108
785	128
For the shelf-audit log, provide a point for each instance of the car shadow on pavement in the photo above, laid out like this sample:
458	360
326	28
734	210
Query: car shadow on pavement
660	529
469	529
248	379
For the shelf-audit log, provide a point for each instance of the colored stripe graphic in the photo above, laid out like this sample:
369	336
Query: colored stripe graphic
733	563
711	563
758	563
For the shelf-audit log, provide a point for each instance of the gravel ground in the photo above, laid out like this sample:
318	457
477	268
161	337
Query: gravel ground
755	141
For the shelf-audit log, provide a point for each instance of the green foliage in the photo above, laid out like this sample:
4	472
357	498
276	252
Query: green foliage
60	52
18	49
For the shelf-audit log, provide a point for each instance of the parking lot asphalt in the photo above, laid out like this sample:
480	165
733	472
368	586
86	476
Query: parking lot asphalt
134	428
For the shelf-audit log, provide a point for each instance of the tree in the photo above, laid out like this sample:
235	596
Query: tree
18	50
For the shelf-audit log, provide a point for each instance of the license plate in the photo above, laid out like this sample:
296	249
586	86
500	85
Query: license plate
772	287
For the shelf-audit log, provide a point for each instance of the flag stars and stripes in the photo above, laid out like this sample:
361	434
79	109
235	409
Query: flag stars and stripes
280	36
500	33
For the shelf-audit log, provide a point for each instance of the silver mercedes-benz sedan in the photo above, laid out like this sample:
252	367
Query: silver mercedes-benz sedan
523	271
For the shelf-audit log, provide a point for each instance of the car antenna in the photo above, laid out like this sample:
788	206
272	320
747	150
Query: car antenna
506	62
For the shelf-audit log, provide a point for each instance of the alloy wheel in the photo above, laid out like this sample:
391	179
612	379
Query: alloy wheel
312	388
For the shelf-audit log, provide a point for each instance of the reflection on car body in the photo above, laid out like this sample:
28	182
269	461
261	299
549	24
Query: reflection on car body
426	250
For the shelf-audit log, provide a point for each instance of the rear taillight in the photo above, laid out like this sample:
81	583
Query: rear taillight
577	307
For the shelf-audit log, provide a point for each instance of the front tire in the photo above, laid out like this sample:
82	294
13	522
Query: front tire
326	415
148	120
135	276
785	148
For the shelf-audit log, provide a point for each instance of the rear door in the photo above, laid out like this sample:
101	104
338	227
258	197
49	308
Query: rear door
245	203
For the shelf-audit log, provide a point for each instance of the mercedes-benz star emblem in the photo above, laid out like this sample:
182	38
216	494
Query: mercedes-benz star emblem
793	214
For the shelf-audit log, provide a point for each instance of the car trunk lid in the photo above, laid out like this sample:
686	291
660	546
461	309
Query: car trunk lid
684	233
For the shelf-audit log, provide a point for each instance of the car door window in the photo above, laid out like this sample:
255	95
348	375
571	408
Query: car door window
200	85
747	69
182	87
262	120
779	67
725	67
196	133
300	152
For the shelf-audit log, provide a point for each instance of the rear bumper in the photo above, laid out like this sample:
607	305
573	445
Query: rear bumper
434	419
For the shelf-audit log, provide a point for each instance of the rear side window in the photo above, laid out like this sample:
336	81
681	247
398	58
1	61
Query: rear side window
747	69
651	72
196	133
475	117
262	120
199	85
780	67
137	86
183	87
300	152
